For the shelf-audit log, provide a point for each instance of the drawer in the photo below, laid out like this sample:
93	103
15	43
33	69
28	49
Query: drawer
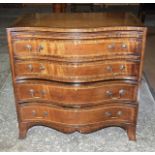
76	95
111	113
76	49
77	72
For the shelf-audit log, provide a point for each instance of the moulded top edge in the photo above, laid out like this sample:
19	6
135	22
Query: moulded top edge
78	30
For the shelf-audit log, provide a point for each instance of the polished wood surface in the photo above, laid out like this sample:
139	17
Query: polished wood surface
82	48
72	74
86	116
77	20
77	72
76	95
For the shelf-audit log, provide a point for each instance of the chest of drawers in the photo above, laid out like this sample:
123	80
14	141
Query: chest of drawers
77	72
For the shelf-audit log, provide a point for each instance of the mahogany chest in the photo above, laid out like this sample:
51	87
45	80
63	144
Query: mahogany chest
77	72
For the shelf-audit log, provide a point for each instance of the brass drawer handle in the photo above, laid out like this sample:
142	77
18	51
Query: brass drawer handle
42	67
32	93
40	48
124	45
43	93
33	113
109	93
45	113
109	68
107	113
121	93
30	67
119	113
111	46
122	67
29	47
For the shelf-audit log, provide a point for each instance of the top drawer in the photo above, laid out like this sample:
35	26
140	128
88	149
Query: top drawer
76	49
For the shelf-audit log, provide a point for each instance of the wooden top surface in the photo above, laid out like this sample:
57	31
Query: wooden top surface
77	20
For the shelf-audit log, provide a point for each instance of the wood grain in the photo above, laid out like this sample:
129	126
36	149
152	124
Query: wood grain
78	117
81	48
77	72
72	74
76	21
76	95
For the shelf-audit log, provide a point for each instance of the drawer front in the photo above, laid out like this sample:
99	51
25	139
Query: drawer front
111	113
76	48
77	72
76	95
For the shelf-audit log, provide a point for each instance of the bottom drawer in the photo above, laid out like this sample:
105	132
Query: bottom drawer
113	112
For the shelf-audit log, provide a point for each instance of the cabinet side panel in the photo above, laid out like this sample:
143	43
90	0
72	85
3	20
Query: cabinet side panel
9	38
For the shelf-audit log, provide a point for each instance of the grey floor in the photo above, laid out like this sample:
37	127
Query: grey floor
45	139
149	63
